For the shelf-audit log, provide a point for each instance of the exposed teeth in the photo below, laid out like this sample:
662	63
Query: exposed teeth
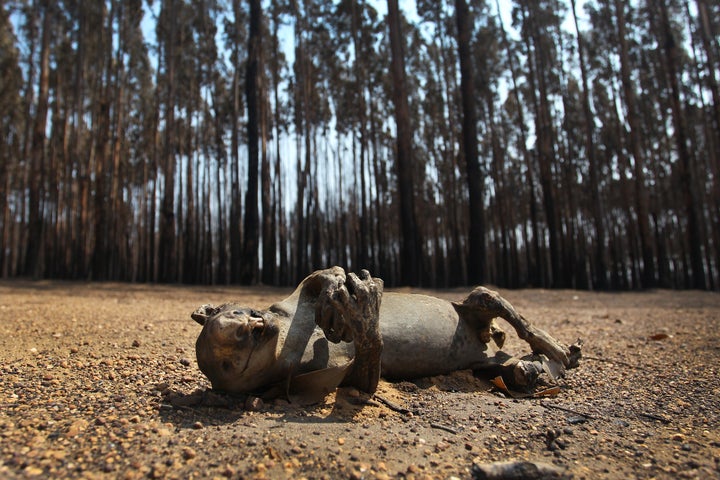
257	325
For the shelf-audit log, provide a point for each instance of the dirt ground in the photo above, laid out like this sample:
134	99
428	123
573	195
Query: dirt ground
98	381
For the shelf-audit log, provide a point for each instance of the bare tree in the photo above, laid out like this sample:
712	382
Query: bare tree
251	223
476	232
410	246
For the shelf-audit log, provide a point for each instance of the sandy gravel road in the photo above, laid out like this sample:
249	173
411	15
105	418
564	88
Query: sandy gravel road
100	381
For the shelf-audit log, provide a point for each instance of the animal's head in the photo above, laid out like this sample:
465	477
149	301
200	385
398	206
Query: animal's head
236	347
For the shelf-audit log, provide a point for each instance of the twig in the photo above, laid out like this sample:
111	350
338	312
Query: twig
170	406
654	417
392	406
608	360
444	427
568	410
190	409
364	401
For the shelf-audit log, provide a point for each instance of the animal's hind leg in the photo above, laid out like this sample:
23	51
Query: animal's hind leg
483	305
520	373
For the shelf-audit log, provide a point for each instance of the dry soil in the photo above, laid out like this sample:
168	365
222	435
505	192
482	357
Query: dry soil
100	381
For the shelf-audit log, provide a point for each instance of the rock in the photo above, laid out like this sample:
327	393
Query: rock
441	446
253	404
413	469
77	427
33	471
158	471
517	470
162	386
188	453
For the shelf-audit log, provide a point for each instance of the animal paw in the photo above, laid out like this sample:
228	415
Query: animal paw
365	295
541	342
349	310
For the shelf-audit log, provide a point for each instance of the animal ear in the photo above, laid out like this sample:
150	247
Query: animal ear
464	310
203	313
459	307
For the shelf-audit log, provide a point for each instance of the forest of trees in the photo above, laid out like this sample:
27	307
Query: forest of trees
436	143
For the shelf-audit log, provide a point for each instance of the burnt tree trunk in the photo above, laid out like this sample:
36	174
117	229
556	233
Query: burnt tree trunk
666	38
411	255
251	223
476	238
641	197
33	262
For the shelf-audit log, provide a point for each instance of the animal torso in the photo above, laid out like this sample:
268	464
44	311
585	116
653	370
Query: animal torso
422	336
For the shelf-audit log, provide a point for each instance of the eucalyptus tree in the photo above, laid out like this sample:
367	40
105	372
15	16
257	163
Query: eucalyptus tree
515	107
37	150
708	28
411	242
490	71
251	223
10	137
169	41
476	231
629	94
536	21
440	137
667	37
236	33
599	275
276	64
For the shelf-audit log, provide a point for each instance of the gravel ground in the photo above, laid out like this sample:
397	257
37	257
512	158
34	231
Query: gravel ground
100	381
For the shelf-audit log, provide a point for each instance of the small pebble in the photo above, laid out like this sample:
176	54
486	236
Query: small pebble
188	453
253	404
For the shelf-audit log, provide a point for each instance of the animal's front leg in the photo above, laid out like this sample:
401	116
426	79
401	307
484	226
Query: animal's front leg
486	304
350	311
364	318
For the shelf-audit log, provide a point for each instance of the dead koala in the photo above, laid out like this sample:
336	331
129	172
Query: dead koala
339	329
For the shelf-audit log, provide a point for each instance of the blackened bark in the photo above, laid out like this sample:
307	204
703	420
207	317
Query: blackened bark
33	262
251	223
641	196
168	231
600	277
666	38
411	242
476	240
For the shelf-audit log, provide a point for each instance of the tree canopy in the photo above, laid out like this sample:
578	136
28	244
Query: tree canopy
540	143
